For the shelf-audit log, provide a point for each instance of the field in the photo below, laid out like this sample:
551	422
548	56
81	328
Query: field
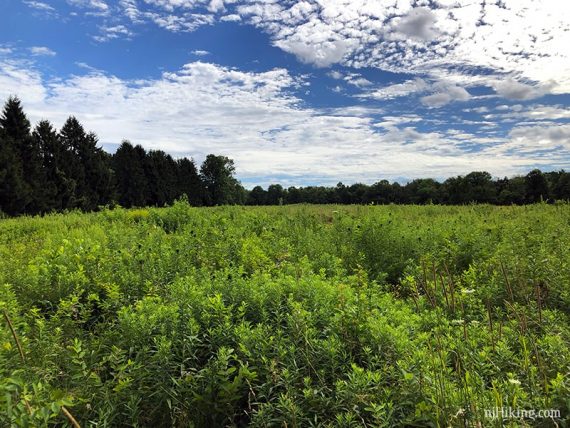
292	316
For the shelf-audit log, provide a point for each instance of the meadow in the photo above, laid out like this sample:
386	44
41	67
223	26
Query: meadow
293	316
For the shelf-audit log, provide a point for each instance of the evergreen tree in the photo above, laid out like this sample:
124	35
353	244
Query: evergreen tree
87	165
160	170
50	153
189	182
98	173
16	128
72	135
130	178
14	121
14	192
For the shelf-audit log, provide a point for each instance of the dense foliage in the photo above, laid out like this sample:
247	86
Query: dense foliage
286	316
42	170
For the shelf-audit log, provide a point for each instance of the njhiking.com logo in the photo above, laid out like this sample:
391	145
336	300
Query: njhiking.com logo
516	413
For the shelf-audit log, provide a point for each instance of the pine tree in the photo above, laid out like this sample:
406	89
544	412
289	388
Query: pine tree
189	182
87	165
14	121
72	135
15	192
98	173
58	187
129	174
160	170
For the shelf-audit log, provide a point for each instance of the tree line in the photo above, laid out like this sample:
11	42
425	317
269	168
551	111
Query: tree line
44	170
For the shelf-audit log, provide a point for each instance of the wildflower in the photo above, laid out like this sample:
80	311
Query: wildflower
457	322
515	381
468	291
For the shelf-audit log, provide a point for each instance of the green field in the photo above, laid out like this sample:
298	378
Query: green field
292	316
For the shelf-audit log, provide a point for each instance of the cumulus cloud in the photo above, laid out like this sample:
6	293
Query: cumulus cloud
320	53
441	92
231	18
543	135
419	24
514	90
254	118
216	5
524	39
444	95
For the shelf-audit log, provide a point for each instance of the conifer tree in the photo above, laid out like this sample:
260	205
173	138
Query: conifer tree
15	191
129	174
72	136
189	182
160	170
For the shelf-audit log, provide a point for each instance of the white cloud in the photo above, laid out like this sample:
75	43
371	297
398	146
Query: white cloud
335	74
98	5
521	45
38	5
445	95
198	52
533	113
399	90
525	39
231	18
320	53
419	24
357	80
391	122
112	32
441	92
186	22
216	6
254	119
514	90
18	79
41	51
533	138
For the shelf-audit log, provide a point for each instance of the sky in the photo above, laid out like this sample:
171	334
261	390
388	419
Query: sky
308	92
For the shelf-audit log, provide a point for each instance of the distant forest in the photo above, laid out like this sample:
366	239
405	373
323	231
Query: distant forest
43	170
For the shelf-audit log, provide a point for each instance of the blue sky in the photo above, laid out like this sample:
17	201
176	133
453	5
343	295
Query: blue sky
304	92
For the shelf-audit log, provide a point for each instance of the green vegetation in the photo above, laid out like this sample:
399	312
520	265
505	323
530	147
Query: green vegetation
290	316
